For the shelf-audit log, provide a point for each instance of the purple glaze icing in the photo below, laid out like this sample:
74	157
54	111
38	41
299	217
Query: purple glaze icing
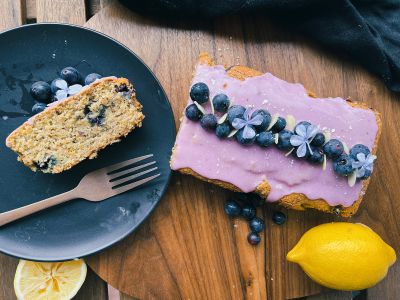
247	166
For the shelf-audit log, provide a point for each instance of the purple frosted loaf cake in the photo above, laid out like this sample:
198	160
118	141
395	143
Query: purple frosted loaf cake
302	151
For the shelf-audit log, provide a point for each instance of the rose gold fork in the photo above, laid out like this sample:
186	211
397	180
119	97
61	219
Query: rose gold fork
95	186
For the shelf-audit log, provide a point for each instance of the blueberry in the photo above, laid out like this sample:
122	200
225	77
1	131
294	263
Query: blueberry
284	140
70	75
208	121
318	140
256	200
242	140
366	174
305	123
248	212
317	156
279	217
193	113
235	111
38	108
200	92
343	165
253	238
359	148
232	208
266	119
256	224
92	77
221	103
279	125
58	84
41	91
265	139
333	148
223	130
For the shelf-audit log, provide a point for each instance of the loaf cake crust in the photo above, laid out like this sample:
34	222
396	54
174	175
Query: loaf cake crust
77	128
295	201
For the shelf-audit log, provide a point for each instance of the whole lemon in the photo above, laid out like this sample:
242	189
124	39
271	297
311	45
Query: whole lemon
343	256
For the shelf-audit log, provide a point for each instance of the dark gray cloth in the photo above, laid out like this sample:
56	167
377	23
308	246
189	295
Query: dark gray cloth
366	30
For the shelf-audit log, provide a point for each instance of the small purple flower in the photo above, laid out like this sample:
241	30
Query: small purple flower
302	139
66	91
247	124
363	164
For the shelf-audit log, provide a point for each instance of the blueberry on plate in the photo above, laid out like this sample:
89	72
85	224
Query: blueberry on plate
243	140
265	139
317	156
256	224
221	103
279	217
38	107
266	119
41	91
70	75
58	84
343	165
232	208
92	77
333	148
253	238
279	125
359	148
235	111
248	212
284	140
200	92
222	130
208	122
318	140
193	113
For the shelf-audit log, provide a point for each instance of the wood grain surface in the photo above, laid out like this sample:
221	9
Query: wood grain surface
195	250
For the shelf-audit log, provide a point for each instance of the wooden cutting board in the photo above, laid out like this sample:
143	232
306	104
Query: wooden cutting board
188	248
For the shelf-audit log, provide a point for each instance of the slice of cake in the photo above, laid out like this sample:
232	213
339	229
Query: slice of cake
253	132
76	128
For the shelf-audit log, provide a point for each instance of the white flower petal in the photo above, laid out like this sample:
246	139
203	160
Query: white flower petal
61	94
301	130
360	157
238	123
311	131
246	114
370	159
296	140
257	120
74	89
61	84
360	172
248	132
302	150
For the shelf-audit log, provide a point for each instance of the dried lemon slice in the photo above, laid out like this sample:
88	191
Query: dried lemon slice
49	280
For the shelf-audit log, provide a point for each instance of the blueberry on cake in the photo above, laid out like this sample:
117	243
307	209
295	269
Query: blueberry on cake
76	128
255	133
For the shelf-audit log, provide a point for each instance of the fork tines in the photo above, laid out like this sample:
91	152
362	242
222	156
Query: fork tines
117	178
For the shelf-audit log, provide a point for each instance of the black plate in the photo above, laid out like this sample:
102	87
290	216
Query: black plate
79	228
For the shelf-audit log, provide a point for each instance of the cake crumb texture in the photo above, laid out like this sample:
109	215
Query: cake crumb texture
78	127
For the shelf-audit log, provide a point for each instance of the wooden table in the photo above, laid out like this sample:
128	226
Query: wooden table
17	12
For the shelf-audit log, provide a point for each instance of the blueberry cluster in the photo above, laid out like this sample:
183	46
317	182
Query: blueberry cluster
67	84
248	211
305	141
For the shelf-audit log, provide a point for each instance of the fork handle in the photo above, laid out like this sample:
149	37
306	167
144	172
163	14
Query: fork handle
27	210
